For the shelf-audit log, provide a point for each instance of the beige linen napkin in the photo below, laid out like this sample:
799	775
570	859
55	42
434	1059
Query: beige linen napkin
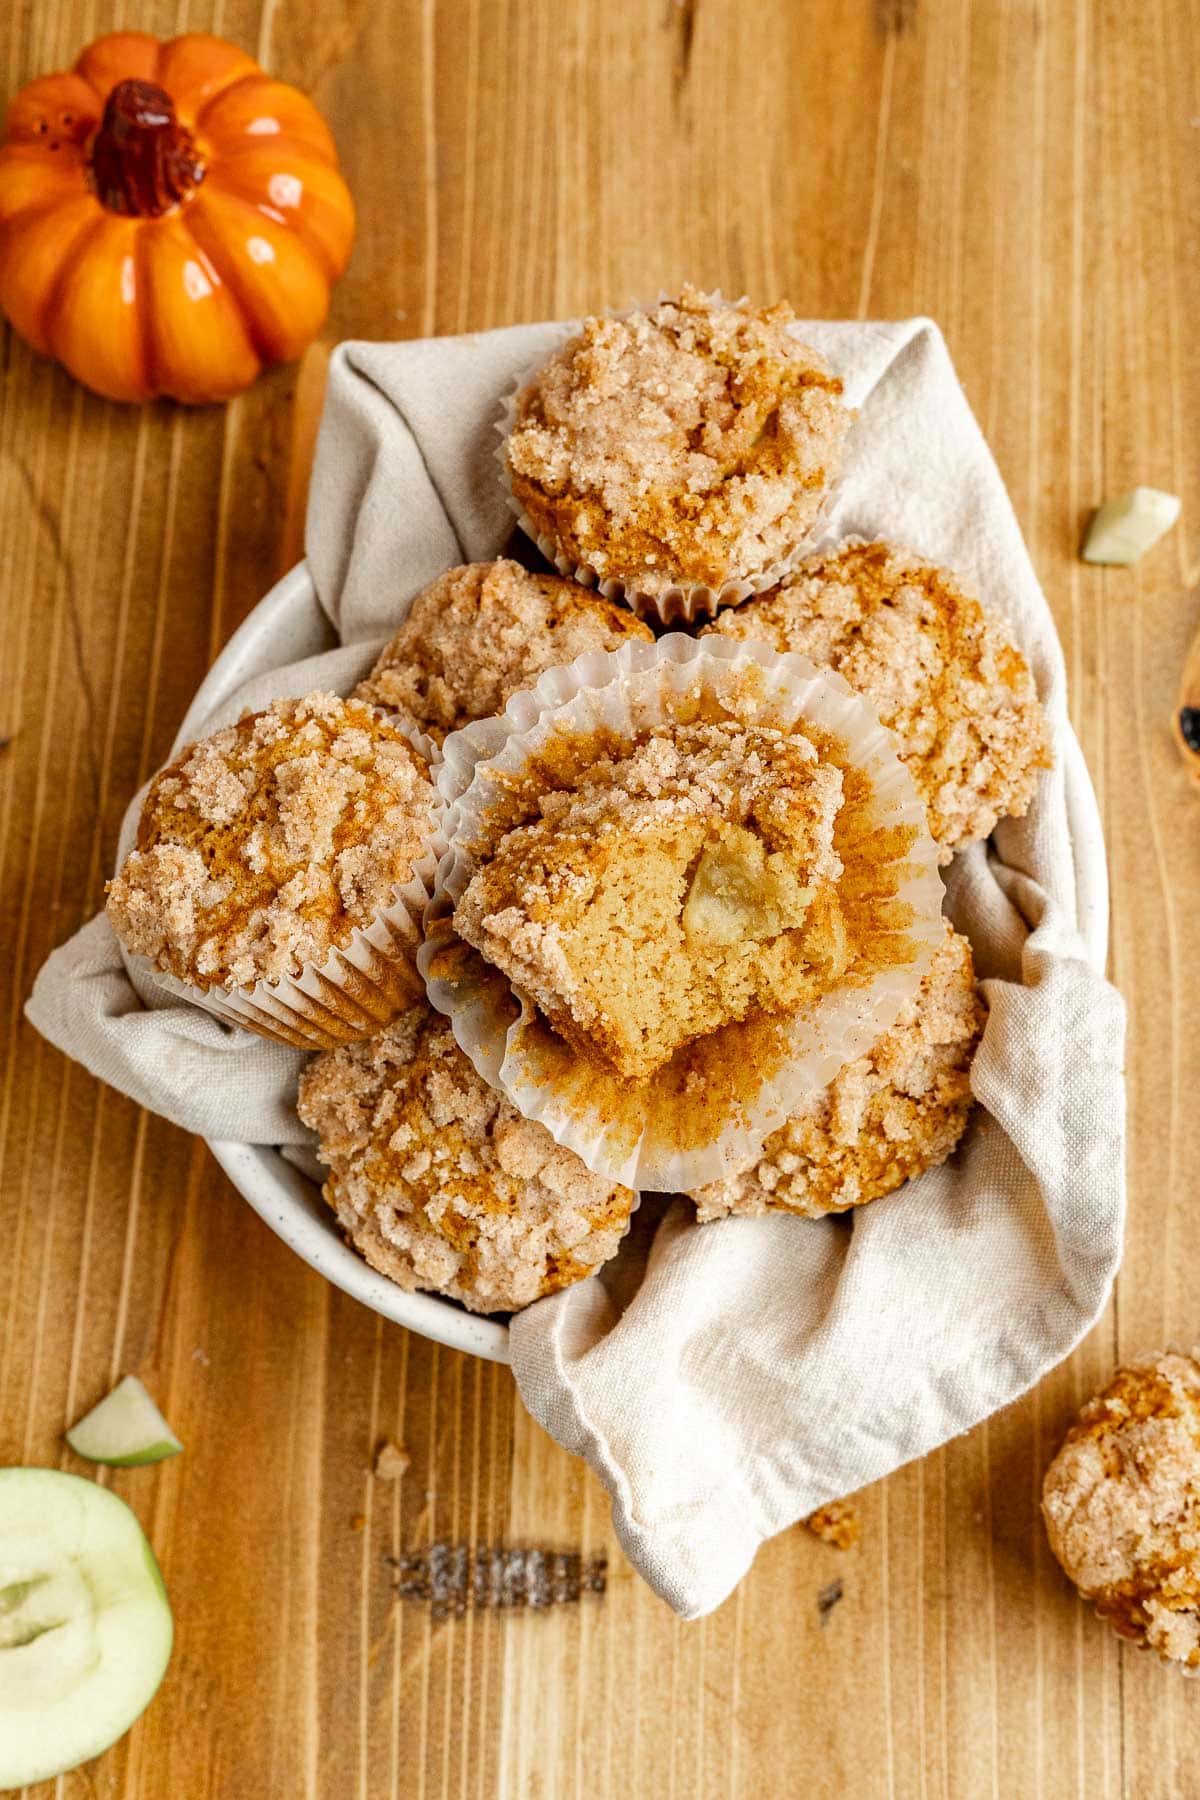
725	1380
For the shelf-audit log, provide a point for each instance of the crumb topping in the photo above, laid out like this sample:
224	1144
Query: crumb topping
689	444
264	846
392	1461
884	1119
1121	1502
482	632
441	1183
945	676
671	889
837	1524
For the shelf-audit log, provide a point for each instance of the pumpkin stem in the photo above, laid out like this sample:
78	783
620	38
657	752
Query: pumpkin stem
143	160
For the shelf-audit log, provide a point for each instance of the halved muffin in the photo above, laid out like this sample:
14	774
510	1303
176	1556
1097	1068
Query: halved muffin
670	891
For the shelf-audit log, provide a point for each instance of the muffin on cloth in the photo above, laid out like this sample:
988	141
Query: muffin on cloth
683	883
1121	1502
885	1118
279	870
669	888
440	1183
944	675
678	456
483	631
699	1373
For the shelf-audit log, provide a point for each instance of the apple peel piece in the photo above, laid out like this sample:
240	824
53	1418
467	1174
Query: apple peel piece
125	1430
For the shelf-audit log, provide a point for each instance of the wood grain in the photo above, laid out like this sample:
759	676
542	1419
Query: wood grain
1025	172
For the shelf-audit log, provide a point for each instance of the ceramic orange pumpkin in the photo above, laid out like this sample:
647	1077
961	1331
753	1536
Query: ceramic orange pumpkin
171	219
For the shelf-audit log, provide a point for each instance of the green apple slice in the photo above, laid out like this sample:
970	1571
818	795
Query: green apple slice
85	1624
1122	530
124	1430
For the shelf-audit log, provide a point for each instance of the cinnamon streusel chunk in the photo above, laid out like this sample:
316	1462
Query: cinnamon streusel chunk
262	847
440	1182
944	675
885	1118
479	634
672	888
1121	1502
688	445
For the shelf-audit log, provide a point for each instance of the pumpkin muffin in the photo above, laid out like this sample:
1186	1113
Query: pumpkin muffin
1121	1502
482	632
263	847
887	1117
943	675
688	446
670	889
440	1183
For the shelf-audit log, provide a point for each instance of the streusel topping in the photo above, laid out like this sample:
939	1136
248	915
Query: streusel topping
1121	1502
884	1119
441	1183
944	675
482	632
671	889
690	444
265	845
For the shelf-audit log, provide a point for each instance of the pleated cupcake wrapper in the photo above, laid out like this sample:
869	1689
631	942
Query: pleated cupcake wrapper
629	692
682	603
356	990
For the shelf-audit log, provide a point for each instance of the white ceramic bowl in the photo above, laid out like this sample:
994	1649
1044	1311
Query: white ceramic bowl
287	625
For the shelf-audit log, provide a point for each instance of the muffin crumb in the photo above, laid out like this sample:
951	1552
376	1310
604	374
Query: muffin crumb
837	1524
392	1461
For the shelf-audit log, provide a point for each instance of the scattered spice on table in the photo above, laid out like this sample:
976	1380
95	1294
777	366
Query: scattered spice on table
452	1578
828	1598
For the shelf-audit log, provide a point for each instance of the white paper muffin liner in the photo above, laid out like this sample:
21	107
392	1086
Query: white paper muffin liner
628	692
680	603
360	985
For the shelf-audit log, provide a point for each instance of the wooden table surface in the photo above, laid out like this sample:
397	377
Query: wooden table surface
1022	170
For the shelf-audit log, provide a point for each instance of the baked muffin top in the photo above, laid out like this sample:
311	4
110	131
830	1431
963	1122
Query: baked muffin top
441	1183
686	445
1121	1502
669	888
943	674
885	1118
262	847
482	632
